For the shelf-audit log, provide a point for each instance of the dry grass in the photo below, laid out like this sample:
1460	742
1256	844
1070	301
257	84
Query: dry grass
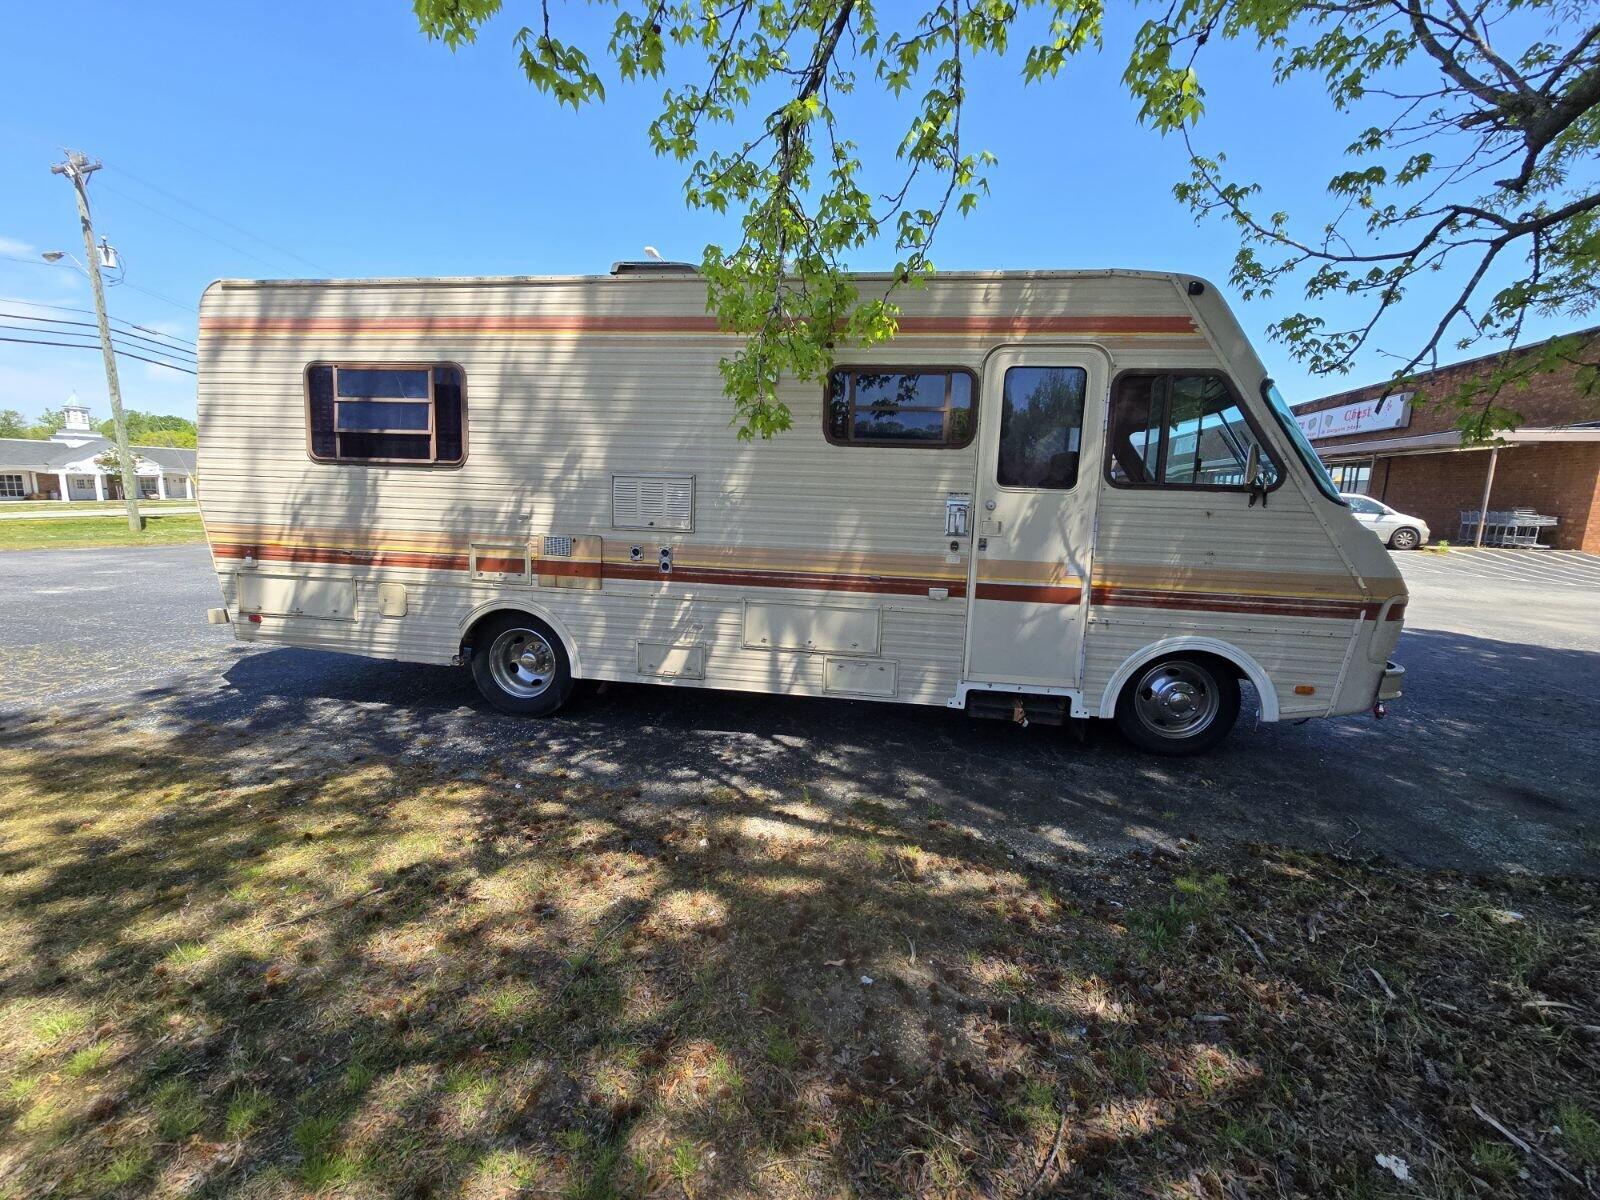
371	978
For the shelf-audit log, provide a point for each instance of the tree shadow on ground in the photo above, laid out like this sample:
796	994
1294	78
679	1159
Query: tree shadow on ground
1479	767
247	969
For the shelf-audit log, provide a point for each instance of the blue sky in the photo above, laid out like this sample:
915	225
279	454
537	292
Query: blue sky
334	139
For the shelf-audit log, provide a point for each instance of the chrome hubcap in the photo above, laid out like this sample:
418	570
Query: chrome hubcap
1175	699
522	663
1405	539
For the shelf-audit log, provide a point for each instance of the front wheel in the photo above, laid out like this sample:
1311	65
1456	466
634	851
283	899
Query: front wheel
1179	705
520	666
1404	539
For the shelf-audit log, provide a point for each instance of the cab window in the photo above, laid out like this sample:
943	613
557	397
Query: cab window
1182	430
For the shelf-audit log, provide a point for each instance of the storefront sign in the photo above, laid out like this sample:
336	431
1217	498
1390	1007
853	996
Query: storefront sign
1363	417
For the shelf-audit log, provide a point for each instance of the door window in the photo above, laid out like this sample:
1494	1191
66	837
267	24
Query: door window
1041	427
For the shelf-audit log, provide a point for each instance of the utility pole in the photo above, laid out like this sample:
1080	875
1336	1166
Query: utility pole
78	168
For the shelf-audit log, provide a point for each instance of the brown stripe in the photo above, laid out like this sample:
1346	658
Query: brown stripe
1029	593
597	323
1221	602
887	584
269	552
1100	594
1023	325
569	568
510	566
592	323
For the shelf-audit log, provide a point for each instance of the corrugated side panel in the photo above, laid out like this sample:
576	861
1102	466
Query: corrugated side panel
554	414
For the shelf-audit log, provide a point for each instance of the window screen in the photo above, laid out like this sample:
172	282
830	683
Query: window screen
1041	427
402	414
1172	430
930	409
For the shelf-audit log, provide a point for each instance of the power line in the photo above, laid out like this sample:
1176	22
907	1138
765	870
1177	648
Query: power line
80	346
190	204
122	283
173	351
89	312
120	347
156	295
191	228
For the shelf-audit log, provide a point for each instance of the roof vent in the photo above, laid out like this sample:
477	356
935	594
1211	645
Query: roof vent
652	267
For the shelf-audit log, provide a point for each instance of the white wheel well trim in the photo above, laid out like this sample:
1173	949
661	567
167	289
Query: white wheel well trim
1251	668
517	604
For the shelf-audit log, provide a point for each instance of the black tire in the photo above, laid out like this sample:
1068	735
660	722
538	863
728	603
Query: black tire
1179	705
520	665
1405	538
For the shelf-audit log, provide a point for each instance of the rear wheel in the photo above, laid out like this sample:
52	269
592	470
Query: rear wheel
1179	705
1404	538
520	665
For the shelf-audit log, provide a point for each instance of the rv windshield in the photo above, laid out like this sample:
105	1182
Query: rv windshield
1297	439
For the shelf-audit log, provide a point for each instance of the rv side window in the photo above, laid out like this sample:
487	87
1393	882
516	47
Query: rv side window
1189	430
889	407
398	414
1041	427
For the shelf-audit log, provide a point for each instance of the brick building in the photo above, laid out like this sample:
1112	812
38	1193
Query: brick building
1409	454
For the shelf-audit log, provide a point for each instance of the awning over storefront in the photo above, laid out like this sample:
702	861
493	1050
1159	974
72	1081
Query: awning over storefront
1450	441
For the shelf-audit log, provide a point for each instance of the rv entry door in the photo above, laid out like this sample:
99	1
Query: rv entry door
1039	442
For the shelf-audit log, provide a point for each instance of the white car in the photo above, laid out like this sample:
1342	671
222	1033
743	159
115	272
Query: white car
1396	529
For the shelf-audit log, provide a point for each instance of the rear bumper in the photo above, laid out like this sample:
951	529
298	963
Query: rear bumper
1391	684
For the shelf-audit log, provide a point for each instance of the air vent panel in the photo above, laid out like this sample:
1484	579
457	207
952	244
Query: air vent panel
659	502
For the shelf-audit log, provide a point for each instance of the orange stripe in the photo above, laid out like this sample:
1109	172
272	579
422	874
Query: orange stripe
1125	325
1100	594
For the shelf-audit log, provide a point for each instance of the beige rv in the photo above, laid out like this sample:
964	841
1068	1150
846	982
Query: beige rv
1053	494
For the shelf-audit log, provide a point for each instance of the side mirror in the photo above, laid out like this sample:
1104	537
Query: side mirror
1252	476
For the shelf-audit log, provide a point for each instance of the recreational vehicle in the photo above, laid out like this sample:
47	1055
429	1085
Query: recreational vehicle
1053	494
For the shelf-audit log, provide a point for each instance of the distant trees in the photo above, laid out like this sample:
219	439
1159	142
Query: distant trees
144	428
152	429
14	425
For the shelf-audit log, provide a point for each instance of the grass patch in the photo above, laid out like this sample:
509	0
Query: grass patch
87	1061
89	506
178	1110
1581	1133
370	977
247	1112
80	533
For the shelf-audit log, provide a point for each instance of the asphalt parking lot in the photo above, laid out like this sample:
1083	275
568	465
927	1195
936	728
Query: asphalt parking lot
1488	764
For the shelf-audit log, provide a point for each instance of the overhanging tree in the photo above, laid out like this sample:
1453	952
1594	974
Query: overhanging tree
1477	163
